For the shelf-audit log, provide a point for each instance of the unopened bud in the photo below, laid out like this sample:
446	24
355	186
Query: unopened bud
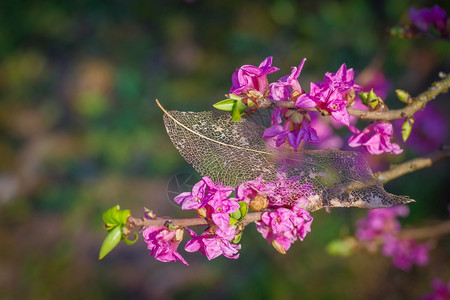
179	233
295	94
201	212
280	249
403	96
297	117
149	214
407	128
259	203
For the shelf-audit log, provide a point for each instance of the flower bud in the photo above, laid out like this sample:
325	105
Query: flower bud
149	214
403	96
407	128
280	249
259	203
201	212
179	233
297	117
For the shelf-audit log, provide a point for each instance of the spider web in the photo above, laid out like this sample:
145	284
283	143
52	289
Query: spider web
234	152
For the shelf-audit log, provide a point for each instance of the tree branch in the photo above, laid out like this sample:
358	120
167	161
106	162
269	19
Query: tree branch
413	165
137	222
419	102
426	232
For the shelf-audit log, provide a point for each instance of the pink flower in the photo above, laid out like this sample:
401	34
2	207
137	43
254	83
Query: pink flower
293	130
330	99
249	77
203	191
380	222
221	211
163	243
284	226
375	138
282	90
214	244
441	290
405	253
248	190
342	80
422	18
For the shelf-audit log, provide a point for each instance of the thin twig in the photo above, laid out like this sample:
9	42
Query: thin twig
413	165
136	222
419	102
426	232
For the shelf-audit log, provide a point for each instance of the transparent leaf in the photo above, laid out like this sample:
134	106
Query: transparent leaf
234	152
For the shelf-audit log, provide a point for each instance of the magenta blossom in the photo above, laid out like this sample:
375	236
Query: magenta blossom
293	130
282	227
163	243
330	99
380	222
282	90
342	80
375	138
405	253
249	77
203	191
214	244
423	18
248	190
221	209
331	94
441	290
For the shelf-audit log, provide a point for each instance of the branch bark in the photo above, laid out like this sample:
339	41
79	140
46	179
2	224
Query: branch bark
418	102
426	232
138	222
413	165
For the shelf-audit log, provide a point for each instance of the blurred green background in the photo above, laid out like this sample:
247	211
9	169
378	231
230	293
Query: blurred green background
80	132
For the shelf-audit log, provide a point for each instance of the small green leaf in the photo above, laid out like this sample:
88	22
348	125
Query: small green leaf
402	95
237	238
226	105
363	97
131	242
233	220
111	241
407	128
241	106
123	215
110	217
243	209
114	217
236	215
235	97
235	113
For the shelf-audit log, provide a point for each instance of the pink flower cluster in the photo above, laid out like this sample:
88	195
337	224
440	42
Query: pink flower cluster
441	290
212	201
423	18
282	227
382	225
375	138
331	96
